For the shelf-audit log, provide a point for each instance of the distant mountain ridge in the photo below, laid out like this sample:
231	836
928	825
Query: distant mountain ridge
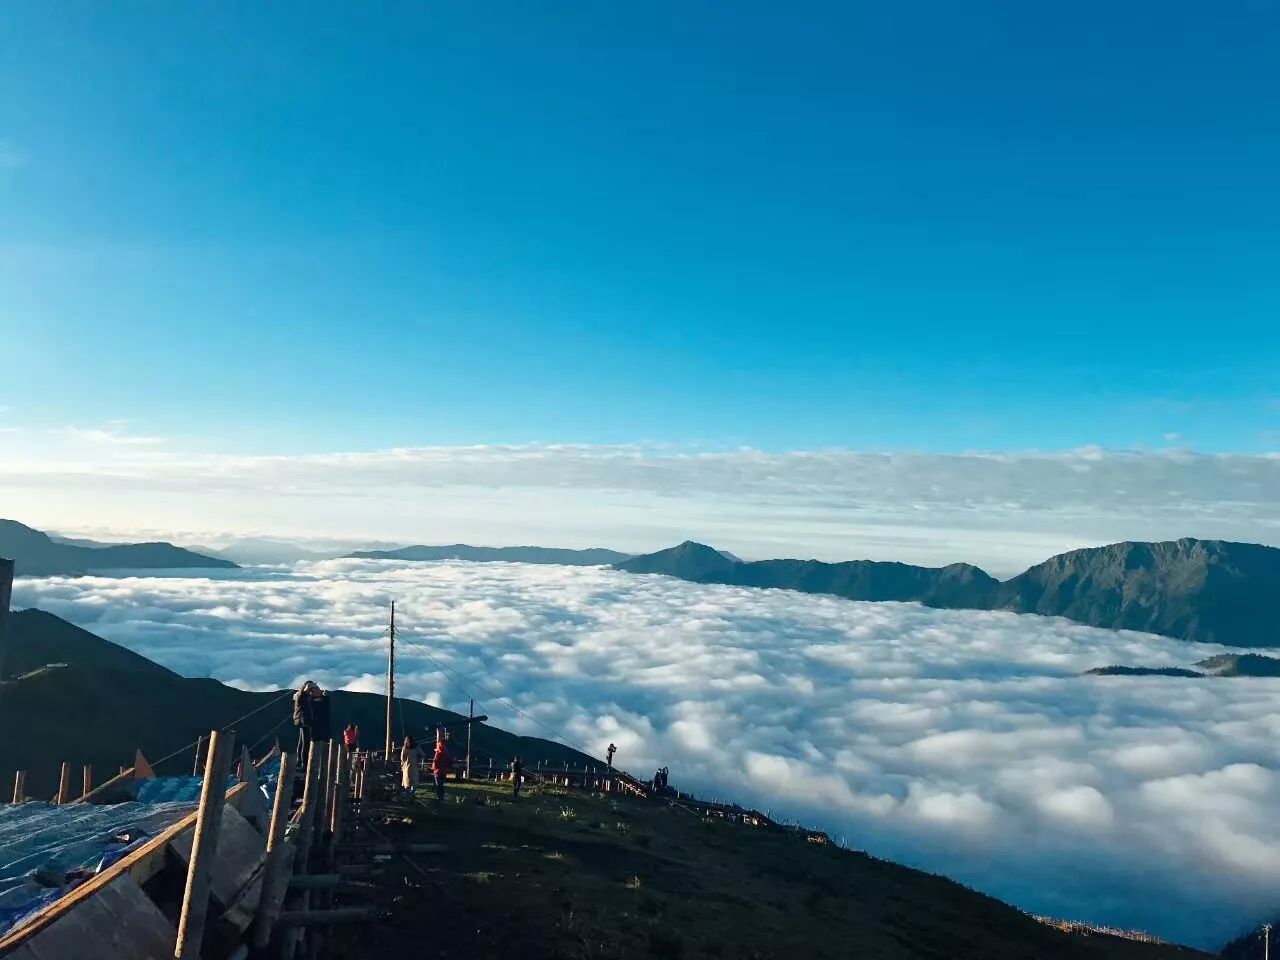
36	554
591	556
1211	591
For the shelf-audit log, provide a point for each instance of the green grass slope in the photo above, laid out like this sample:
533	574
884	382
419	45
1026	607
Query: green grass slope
562	874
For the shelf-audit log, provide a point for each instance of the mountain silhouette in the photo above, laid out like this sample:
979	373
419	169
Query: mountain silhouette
1211	591
36	554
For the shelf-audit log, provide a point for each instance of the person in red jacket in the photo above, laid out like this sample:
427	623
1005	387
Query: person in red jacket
351	736
441	763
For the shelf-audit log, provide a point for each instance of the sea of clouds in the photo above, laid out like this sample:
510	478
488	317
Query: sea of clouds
961	742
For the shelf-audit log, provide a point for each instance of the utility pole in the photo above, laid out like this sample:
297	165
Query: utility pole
471	722
391	675
1266	941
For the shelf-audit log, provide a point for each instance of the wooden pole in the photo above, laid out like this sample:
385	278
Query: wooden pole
204	845
335	800
20	787
308	808
330	780
195	764
88	780
64	784
274	878
312	791
391	675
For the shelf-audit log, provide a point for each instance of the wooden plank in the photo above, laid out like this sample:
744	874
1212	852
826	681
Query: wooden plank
279	860
310	918
241	854
119	923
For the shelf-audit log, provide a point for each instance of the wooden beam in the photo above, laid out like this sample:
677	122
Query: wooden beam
339	792
273	873
311	918
395	848
312	881
195	901
64	784
88	781
20	786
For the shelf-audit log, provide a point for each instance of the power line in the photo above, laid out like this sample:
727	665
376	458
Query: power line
181	750
556	734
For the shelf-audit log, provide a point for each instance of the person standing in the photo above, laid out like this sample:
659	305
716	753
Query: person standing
440	764
320	728
517	776
410	764
304	718
351	736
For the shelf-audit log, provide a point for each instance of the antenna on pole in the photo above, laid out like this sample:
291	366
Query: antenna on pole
391	674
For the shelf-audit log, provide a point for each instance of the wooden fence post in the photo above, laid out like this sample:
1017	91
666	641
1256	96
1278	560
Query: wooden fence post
88	780
339	794
330	772
312	794
195	764
204	844
274	878
64	784
20	787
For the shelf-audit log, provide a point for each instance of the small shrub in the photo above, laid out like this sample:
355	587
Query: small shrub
666	943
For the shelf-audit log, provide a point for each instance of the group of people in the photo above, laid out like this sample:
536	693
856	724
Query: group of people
411	757
311	717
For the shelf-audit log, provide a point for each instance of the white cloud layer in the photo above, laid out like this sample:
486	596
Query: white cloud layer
961	742
1001	511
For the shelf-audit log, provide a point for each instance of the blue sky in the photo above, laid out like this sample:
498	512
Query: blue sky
922	226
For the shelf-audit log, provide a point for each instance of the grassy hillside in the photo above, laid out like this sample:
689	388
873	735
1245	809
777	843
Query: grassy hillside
564	874
108	701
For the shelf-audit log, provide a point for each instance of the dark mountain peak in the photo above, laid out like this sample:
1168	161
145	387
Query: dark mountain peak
1214	591
1241	665
11	531
688	561
37	638
36	554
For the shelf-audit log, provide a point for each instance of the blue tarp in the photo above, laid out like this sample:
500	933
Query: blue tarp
173	789
47	850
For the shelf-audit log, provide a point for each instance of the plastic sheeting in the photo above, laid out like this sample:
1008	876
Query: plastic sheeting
172	789
47	850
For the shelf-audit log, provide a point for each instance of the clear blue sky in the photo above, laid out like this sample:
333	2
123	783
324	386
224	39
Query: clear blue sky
937	226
